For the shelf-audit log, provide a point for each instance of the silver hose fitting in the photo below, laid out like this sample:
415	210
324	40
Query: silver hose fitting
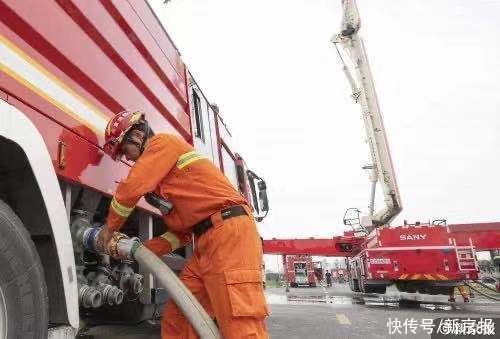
111	295
89	297
134	283
120	246
129	281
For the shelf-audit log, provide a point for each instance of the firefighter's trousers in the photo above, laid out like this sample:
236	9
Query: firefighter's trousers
224	274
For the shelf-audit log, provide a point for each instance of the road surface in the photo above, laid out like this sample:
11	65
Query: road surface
337	313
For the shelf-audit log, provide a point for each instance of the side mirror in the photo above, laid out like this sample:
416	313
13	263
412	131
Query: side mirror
258	189
263	200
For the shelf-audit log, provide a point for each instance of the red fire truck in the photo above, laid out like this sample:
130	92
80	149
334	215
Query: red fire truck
299	270
423	258
66	67
339	275
432	258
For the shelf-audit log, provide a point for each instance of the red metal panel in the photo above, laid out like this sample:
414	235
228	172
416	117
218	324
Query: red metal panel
76	59
46	109
156	29
100	27
85	163
484	236
320	247
412	236
39	48
137	33
3	95
415	265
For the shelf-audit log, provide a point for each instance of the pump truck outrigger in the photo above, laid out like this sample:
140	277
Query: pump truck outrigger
56	98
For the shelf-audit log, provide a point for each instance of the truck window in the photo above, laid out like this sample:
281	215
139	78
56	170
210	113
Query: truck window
229	167
198	121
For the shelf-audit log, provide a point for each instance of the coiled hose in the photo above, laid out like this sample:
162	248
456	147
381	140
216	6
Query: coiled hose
481	292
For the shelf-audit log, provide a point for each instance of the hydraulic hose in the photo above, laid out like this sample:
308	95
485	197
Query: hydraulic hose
124	247
481	292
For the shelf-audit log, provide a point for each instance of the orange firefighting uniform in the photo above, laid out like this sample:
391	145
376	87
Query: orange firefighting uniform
224	271
463	292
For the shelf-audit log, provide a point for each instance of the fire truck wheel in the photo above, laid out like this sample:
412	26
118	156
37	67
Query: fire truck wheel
362	286
23	293
354	285
378	289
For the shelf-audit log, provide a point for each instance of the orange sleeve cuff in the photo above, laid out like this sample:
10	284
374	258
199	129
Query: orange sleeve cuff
158	246
167	242
114	222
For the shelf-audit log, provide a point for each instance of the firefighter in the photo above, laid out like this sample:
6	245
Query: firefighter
463	292
328	279
224	272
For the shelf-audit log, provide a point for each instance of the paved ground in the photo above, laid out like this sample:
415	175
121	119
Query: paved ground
335	313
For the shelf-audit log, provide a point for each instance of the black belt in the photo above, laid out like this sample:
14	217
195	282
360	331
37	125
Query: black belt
231	212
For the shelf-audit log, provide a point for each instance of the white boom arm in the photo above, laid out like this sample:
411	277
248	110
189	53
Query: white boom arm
361	81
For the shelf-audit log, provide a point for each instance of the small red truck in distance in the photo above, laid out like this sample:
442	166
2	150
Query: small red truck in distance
299	271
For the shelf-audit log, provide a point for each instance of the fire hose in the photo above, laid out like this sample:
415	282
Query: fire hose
122	246
481	292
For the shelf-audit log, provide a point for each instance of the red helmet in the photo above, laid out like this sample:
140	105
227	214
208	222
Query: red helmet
116	129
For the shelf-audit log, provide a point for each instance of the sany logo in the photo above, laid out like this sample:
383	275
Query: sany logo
412	236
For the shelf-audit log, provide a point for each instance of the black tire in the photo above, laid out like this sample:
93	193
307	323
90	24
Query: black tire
23	292
378	289
362	285
354	284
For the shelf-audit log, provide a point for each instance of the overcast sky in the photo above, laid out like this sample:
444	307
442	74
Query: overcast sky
269	66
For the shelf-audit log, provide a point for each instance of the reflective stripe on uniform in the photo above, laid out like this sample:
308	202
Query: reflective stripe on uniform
174	241
188	158
121	210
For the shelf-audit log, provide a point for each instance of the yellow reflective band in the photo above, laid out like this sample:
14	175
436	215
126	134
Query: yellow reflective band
122	211
175	243
415	277
429	276
188	158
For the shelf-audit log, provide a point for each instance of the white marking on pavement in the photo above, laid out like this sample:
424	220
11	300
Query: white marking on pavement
342	319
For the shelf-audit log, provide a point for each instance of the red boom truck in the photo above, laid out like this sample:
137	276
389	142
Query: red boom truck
66	67
432	258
